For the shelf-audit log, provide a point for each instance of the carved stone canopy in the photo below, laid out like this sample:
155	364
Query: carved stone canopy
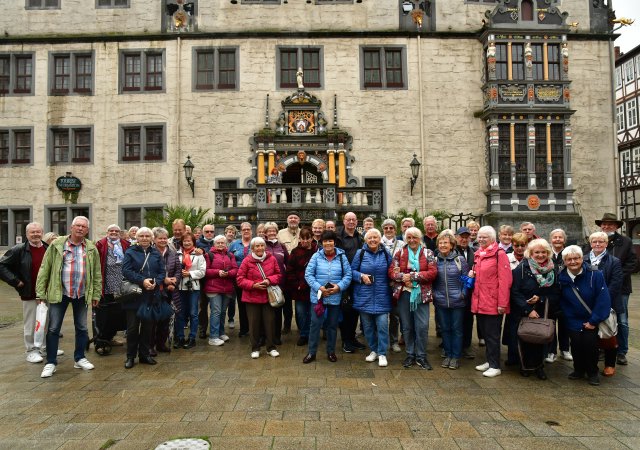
529	14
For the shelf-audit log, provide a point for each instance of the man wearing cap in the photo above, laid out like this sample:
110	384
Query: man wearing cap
465	250
289	236
622	248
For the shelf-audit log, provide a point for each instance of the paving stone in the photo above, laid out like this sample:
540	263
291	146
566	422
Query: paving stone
244	428
587	428
505	428
423	429
533	443
350	429
423	443
294	443
373	403
478	443
384	429
455	429
357	443
598	443
284	428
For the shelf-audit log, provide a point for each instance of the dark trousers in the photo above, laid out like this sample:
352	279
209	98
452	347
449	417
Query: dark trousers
261	318
467	327
561	337
349	323
531	355
203	313
287	312
490	326
231	309
584	349
242	312
138	335
510	336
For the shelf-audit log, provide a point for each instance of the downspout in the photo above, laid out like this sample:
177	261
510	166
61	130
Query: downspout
178	117
616	162
423	183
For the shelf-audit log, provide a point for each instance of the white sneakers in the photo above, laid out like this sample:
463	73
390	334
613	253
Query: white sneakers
60	352
490	373
372	357
231	324
48	370
382	361
34	357
255	355
567	356
224	338
396	348
216	342
483	367
83	364
551	357
273	353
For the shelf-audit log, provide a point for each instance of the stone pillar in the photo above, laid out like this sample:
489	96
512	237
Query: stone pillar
260	163
332	163
545	61
549	162
271	154
531	155
512	152
494	145
342	166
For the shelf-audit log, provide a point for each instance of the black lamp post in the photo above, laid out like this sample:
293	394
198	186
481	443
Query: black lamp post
188	174
415	170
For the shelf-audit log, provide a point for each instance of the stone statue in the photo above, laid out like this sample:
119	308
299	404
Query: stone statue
299	78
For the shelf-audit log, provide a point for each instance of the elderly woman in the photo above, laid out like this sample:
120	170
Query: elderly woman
170	293
582	284
392	243
490	299
371	294
328	275
450	297
143	266
254	294
240	248
519	243
535	287
278	250
317	228
473	227
193	270
218	286
260	231
558	240
611	267
504	236
297	286
414	266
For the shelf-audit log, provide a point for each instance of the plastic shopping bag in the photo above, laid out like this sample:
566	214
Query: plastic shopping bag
41	321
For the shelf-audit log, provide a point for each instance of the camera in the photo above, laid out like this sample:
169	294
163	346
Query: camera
188	284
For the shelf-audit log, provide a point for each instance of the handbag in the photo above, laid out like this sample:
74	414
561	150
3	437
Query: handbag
275	294
41	319
129	291
608	328
154	311
540	330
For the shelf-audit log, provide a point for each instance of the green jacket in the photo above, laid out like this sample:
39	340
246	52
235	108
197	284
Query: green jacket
49	282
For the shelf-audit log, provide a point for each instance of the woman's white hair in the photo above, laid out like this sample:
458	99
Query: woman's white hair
219	237
256	240
488	229
413	231
372	231
146	230
570	251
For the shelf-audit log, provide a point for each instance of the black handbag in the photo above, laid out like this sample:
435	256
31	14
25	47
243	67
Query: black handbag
537	331
155	311
129	291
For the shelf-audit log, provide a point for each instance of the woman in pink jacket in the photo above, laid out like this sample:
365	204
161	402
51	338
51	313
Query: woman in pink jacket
490	298
254	294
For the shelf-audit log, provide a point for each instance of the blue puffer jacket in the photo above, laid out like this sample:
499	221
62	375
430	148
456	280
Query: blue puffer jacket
374	298
448	287
320	271
593	290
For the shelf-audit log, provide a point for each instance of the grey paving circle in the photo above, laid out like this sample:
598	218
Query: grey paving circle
184	444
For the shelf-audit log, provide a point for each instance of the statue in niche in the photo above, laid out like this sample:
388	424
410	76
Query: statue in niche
300	78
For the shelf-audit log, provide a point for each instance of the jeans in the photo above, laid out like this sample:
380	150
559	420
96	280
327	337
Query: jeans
219	304
303	317
451	321
331	324
189	300
56	315
623	326
415	326
376	329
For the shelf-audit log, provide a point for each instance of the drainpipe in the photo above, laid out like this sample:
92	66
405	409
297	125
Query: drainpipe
178	117
423	178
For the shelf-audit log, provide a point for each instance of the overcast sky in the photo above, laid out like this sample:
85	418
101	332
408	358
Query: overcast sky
630	36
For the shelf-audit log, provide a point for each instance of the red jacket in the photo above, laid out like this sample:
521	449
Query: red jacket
426	275
216	261
103	247
493	281
249	274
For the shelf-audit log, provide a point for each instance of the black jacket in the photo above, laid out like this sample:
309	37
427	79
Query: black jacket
525	286
622	248
15	266
350	244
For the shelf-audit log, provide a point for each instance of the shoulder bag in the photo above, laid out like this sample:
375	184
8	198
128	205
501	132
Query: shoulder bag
540	330
608	328
130	291
275	294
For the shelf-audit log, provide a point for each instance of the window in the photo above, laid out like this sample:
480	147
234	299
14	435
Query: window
635	158
13	224
141	71
629	73
557	156
517	61
632	113
637	66
215	68
619	77
620	117
383	67
501	61
71	73
309	58
58	218
526	6
521	156
625	163
70	145
140	143
504	157
553	56
553	61
16	73
16	146
43	4
112	4
136	216
541	155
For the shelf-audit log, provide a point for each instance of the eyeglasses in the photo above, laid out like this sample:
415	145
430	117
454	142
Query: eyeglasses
572	259
388	228
519	245
208	231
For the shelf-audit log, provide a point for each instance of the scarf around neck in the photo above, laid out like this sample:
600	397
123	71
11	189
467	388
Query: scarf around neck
413	264
545	275
186	257
595	260
117	250
259	258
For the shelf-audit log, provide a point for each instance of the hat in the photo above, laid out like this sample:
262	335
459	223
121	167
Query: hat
463	230
610	217
293	213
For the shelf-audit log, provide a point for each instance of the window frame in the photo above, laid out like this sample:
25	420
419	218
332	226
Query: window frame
72	144
112	5
629	71
43	5
13	160
620	117
300	51
143	143
70	215
11	211
143	209
383	67
14	76
618	77
143	73
625	163
631	106
73	74
216	71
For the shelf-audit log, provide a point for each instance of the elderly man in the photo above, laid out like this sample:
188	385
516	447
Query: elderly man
289	236
70	274
430	233
367	224
19	268
530	230
330	225
179	228
622	248
205	242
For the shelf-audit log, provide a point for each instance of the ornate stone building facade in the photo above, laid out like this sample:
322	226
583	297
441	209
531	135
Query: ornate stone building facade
313	105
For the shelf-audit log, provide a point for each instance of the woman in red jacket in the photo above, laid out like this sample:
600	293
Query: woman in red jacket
254	294
490	298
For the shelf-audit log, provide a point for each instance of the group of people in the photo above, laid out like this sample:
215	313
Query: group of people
335	277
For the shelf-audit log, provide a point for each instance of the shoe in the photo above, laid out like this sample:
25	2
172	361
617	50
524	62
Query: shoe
83	364
443	354
382	361
490	373
34	357
358	345
152	352
286	330
566	355
302	341
524	373
60	352
116	342
163	348
540	374
609	371
129	363
273	353
189	344
594	380
147	360
371	357
445	363
309	358
551	357
49	369
224	337
203	334
408	362
243	333
600	355
576	376
178	343
332	357
622	359
423	364
468	354
255	355
395	348
216	341
482	367
347	348
454	364
277	341
481	343
231	324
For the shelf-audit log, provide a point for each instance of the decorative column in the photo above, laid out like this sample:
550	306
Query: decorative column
568	183
494	145
260	163
331	152
271	155
549	163
545	61
531	155
342	166
509	62
512	151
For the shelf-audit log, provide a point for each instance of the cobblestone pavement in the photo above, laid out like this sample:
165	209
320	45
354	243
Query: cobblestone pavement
239	403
